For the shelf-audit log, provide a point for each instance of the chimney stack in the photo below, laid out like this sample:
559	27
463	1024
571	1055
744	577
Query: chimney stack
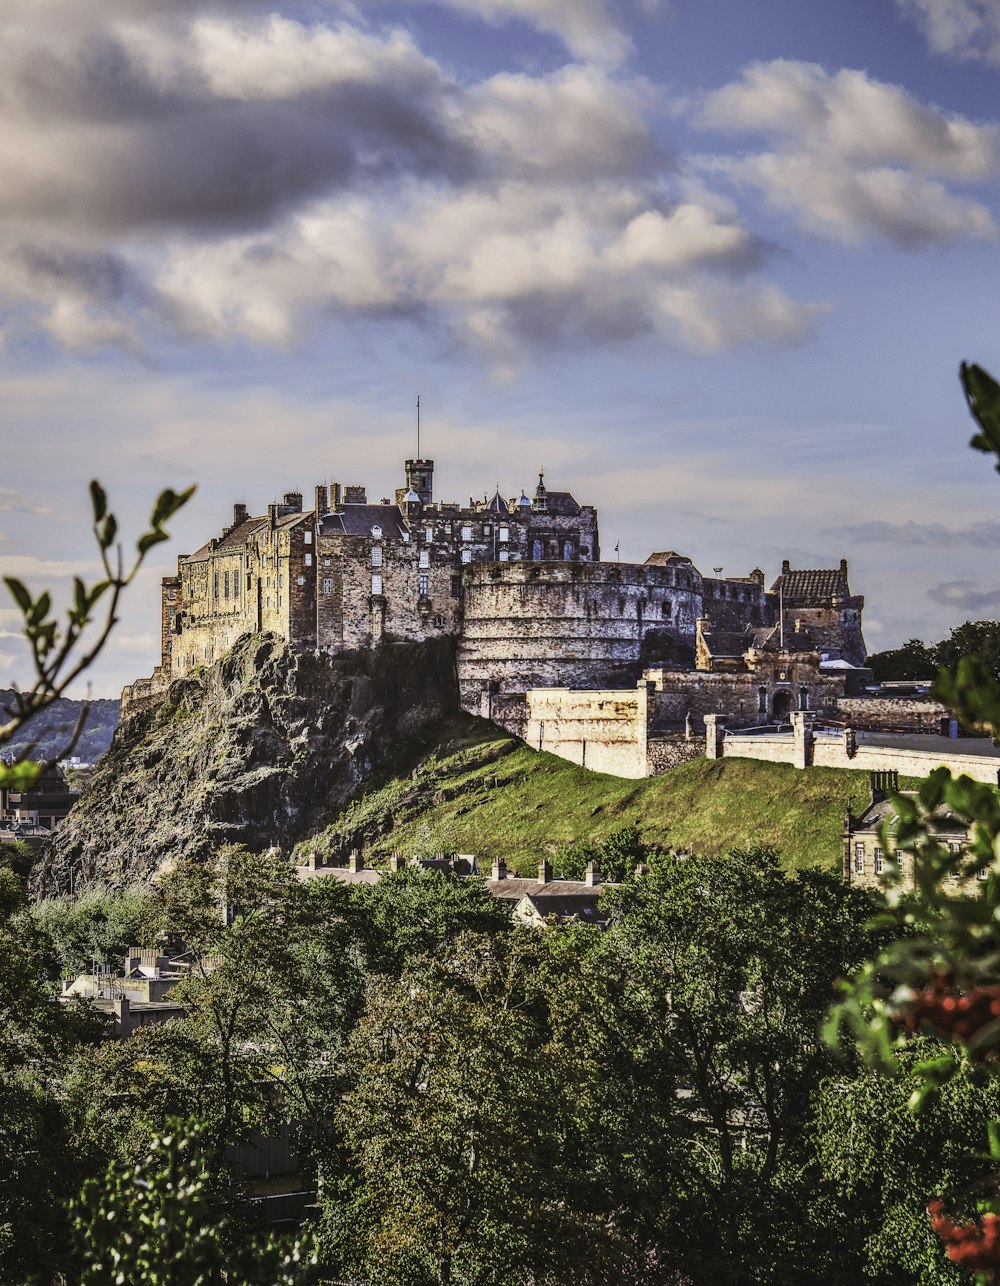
544	871
593	876
322	502
499	871
239	514
396	862
355	862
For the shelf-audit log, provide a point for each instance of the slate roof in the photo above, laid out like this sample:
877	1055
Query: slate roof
808	587
514	888
358	520
665	557
239	535
877	813
561	502
568	906
727	643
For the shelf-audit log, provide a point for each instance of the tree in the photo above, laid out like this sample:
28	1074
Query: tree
459	1129
911	661
941	972
60	654
886	1160
38	1171
736	963
412	911
161	1223
973	639
274	985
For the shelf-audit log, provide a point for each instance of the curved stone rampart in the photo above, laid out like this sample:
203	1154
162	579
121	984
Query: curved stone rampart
570	624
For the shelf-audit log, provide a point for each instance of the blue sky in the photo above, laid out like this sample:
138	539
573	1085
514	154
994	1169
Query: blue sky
713	263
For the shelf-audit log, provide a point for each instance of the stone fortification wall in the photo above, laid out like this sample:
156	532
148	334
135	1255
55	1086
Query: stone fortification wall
664	752
773	748
144	694
744	699
892	712
587	625
907	761
804	749
602	731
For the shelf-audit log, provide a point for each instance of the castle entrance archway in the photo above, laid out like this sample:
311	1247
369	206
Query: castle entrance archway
780	705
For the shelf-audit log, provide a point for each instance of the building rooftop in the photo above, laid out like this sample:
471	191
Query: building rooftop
812	586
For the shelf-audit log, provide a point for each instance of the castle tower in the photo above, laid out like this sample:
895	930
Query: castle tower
420	478
540	504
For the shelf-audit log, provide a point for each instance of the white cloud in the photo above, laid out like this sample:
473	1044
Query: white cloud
853	157
208	170
592	29
964	28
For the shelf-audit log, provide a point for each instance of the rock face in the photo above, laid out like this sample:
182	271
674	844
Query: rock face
260	749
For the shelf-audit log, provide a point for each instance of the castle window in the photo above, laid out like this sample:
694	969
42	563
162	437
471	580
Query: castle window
422	585
279	600
803	698
879	862
300	580
309	560
405	537
215	584
456	587
466	555
376	555
567	551
376	584
983	873
504	535
307	536
425	558
536	550
225	585
328	585
466	533
376	533
762	700
327	562
859	859
439	621
504	556
428	534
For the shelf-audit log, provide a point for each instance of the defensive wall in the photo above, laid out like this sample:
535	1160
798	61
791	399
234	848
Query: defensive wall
577	625
806	746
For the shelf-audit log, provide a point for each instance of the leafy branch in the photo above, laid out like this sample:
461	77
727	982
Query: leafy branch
59	651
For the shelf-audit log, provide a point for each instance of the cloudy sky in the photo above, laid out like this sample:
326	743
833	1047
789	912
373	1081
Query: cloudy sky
713	263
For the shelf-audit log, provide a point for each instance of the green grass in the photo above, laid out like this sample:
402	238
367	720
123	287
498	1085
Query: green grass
480	791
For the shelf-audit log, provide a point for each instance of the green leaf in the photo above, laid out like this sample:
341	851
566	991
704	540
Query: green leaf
982	393
167	504
109	531
151	538
99	499
19	592
40	610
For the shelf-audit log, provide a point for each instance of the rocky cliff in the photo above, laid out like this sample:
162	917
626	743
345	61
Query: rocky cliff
262	748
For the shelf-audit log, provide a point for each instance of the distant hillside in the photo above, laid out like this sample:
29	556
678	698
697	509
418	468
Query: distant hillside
52	730
483	792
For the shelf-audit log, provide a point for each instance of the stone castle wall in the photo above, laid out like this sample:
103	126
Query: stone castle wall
602	731
893	712
583	625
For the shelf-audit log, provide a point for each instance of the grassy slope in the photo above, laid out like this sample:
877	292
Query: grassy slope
483	792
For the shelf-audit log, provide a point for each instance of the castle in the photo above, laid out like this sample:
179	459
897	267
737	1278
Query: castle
520	584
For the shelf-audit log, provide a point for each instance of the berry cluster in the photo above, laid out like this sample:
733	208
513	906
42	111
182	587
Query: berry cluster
952	1010
974	1244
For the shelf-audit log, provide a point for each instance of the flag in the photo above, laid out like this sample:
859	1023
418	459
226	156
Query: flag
616	548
